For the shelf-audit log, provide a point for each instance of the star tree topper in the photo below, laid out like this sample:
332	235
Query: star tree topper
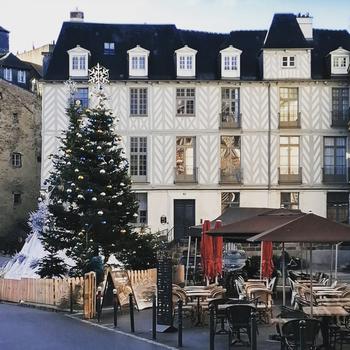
99	76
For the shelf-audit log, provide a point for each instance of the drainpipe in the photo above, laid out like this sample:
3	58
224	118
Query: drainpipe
269	137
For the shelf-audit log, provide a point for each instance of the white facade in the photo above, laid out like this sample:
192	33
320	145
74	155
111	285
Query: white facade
260	185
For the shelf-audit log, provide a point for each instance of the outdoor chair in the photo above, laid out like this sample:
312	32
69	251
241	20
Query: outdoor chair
290	338
264	305
219	315
239	321
188	310
341	334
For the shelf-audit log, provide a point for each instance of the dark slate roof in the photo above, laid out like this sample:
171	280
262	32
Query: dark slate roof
325	41
2	29
163	40
285	33
11	61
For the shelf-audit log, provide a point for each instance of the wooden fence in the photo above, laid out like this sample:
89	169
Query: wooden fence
49	292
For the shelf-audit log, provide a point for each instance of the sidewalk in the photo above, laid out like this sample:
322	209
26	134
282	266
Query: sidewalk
196	338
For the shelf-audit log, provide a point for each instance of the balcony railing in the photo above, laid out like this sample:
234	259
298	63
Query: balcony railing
139	178
290	175
340	118
186	175
334	174
290	123
230	120
232	176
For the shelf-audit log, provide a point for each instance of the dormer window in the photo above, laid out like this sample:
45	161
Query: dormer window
109	48
138	62
288	61
78	62
186	62
340	61
230	62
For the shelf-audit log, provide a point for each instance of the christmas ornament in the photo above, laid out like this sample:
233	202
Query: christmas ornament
100	212
135	215
76	170
119	203
98	147
80	196
122	184
102	171
103	222
69	190
80	177
94	199
109	186
102	194
72	184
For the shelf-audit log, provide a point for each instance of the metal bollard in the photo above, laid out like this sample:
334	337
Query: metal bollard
71	297
131	308
302	326
98	304
115	308
154	317
179	334
253	330
211	327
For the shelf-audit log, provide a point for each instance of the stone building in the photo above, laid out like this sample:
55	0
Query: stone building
251	118
20	151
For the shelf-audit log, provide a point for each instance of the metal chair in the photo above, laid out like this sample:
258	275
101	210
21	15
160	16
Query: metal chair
239	321
290	338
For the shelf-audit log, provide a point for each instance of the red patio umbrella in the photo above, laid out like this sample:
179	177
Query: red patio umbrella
218	243
266	259
207	256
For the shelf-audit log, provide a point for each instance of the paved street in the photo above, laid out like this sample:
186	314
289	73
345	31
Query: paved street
31	329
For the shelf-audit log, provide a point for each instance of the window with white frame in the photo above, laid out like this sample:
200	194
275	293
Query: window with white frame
186	62
230	63
138	158
142	210
289	155
185	158
21	76
288	61
109	48
8	74
138	62
185	102
82	95
78	62
16	160
138	102
290	200
339	61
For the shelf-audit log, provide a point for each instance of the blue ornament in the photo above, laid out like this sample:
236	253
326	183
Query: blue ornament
82	159
89	190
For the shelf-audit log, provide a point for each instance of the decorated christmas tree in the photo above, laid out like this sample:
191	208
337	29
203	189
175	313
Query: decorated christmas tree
91	202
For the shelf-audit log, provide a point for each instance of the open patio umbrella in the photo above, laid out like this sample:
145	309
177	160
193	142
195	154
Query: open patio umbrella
309	228
217	247
266	259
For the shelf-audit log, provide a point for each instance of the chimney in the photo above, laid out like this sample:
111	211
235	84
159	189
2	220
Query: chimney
46	61
77	16
4	40
305	24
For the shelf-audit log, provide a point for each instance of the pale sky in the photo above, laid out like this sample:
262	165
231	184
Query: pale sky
38	22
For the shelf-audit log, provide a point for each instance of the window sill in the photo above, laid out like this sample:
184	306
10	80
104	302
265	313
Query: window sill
138	115
185	115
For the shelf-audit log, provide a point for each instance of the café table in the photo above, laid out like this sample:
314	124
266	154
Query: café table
199	293
333	300
325	313
330	293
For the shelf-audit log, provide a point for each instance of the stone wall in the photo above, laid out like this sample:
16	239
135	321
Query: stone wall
20	131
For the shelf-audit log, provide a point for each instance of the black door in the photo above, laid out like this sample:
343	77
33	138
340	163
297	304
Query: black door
184	217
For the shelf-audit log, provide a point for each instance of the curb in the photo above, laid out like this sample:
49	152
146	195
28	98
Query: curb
51	308
133	336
